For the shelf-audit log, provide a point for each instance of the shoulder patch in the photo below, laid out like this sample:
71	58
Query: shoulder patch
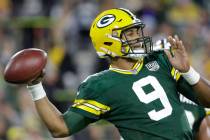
152	66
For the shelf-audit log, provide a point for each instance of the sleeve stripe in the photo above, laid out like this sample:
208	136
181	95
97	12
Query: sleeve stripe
91	106
207	113
88	109
175	74
207	110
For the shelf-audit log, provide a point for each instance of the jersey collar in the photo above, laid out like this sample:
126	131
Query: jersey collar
135	70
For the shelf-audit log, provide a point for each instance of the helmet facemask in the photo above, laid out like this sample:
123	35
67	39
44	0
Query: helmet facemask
138	47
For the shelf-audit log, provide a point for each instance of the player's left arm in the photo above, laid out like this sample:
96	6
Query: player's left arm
202	87
179	59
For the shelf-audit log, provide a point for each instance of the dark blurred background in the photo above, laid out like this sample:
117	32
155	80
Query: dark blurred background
61	28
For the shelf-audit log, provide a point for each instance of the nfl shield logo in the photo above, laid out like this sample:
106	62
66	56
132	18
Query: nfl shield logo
152	66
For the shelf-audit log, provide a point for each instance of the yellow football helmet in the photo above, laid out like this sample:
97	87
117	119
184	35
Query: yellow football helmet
106	34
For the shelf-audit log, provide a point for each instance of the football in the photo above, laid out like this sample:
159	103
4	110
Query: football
25	66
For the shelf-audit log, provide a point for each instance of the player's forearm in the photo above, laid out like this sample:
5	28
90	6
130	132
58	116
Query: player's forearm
51	117
48	113
201	86
203	90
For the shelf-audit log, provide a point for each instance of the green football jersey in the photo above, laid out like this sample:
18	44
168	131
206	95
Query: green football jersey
143	103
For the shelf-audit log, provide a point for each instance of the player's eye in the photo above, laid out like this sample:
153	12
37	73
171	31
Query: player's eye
131	32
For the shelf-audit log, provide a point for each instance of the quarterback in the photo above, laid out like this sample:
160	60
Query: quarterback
139	93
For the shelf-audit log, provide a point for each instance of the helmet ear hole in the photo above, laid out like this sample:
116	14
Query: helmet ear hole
108	43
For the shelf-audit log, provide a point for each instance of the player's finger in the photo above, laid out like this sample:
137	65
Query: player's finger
176	37
182	46
178	42
172	41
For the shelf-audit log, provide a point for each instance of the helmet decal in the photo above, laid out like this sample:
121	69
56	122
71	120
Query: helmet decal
105	21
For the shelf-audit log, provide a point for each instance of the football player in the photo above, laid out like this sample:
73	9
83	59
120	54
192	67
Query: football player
139	93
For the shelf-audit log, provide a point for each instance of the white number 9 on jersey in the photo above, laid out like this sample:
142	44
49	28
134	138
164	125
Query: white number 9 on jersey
157	93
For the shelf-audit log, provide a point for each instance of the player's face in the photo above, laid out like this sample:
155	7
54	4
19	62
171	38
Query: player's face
131	34
132	37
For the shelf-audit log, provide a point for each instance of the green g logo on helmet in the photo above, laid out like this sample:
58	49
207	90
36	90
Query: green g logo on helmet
105	21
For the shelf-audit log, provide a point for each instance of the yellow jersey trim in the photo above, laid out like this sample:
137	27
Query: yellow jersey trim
175	74
136	68
207	110
91	106
207	113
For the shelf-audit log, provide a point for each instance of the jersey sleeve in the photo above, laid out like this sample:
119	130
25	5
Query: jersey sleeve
91	101
75	121
88	107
